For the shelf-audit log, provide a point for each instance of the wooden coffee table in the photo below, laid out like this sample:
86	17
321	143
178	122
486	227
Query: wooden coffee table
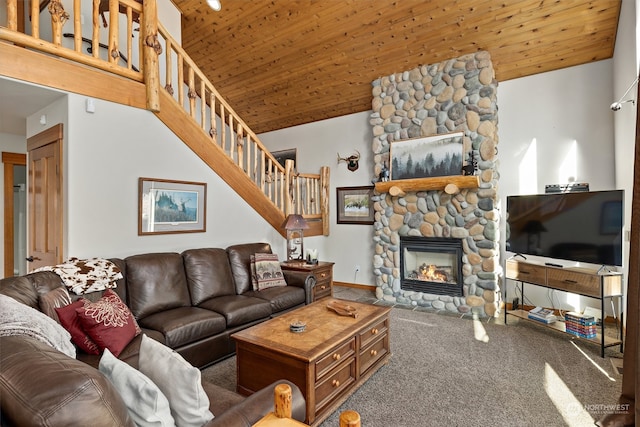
328	361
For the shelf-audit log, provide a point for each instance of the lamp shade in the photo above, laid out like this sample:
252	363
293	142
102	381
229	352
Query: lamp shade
295	222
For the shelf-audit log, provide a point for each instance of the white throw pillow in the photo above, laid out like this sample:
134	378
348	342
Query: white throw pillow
147	405
19	319
178	380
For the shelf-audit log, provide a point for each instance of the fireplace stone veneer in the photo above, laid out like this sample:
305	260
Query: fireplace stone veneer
458	95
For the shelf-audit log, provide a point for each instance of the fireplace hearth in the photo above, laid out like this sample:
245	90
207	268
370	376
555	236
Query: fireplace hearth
431	265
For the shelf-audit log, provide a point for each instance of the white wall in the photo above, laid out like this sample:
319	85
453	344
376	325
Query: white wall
625	70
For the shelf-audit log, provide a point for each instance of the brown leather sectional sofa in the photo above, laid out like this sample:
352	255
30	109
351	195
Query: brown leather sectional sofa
191	301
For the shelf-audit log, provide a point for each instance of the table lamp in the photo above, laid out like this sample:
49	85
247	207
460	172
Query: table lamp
295	224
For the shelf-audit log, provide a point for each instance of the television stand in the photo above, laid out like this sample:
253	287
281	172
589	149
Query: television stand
577	280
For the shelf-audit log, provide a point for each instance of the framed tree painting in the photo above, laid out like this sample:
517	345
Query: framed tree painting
439	155
166	206
354	205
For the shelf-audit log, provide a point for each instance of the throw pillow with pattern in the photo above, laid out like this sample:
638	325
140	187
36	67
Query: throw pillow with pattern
109	322
69	320
268	271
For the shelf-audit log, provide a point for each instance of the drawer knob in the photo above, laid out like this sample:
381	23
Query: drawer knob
374	352
336	383
323	287
374	331
336	356
323	275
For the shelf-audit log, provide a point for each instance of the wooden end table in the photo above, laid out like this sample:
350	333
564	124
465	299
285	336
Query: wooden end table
322	270
328	361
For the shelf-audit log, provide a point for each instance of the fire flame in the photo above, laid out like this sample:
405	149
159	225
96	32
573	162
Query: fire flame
429	272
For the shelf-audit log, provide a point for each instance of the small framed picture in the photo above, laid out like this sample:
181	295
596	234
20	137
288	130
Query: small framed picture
354	205
166	206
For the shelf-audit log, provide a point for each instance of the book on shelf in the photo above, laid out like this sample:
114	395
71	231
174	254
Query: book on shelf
544	315
579	324
572	316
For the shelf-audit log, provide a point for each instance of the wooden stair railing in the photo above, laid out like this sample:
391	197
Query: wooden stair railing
175	84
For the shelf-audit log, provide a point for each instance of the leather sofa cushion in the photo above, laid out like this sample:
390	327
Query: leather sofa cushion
281	298
208	274
42	387
240	261
239	309
184	325
20	289
44	281
156	282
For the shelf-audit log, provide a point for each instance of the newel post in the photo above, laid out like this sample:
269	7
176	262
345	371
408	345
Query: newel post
151	48
324	199
289	173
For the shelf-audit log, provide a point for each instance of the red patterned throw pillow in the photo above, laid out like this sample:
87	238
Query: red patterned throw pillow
268	272
70	321
108	322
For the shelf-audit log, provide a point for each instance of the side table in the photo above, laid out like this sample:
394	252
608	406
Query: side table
322	270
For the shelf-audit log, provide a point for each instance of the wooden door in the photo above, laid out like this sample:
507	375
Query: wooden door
44	154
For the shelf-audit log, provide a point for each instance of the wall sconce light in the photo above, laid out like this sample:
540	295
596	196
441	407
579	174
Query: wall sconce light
295	224
618	105
215	5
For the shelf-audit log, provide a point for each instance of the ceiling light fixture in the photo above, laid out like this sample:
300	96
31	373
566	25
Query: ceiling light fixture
618	105
215	5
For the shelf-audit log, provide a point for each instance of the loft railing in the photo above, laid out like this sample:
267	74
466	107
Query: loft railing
134	45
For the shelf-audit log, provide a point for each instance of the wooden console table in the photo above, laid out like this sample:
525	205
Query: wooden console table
322	270
582	281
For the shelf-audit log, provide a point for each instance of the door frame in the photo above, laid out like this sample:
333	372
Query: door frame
10	160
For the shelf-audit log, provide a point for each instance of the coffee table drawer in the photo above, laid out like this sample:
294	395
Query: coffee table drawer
334	357
337	381
373	353
374	331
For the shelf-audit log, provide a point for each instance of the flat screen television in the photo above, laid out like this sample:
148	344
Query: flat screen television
583	226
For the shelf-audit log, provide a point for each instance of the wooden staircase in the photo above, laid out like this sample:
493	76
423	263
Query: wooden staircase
159	76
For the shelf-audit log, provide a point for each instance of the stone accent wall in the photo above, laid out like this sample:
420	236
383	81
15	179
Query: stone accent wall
458	95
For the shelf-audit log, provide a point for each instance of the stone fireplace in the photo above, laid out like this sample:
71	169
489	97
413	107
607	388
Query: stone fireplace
458	95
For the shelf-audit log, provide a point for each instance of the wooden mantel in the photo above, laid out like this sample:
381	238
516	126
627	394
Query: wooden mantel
424	184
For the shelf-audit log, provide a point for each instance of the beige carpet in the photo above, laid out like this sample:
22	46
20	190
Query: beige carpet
450	371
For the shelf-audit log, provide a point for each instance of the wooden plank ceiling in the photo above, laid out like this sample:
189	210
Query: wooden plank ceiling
281	63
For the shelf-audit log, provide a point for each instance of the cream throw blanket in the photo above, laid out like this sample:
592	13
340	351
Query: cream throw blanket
19	319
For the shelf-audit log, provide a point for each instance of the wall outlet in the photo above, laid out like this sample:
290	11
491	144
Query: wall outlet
357	268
